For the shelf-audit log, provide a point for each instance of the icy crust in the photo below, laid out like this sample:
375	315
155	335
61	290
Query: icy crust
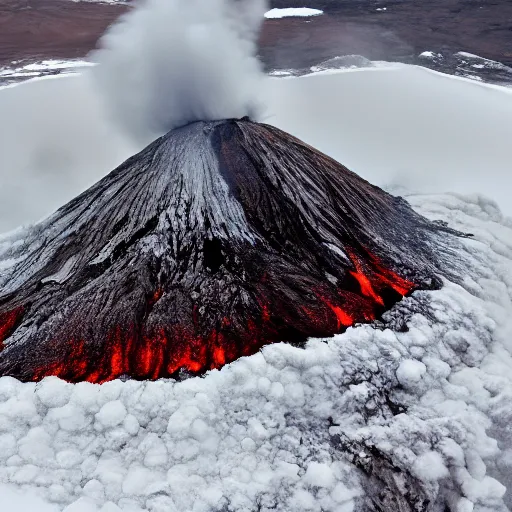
292	429
19	71
291	12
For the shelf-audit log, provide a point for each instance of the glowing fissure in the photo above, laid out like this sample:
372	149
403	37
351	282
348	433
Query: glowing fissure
366	287
400	285
379	278
350	308
161	355
344	319
172	349
8	322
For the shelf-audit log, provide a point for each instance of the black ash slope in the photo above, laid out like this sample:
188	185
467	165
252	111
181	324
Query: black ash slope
216	239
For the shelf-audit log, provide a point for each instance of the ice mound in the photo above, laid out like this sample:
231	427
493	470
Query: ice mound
351	423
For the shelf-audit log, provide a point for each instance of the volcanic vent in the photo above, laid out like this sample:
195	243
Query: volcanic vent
216	239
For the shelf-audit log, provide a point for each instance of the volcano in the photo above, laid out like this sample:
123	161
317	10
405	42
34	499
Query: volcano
216	239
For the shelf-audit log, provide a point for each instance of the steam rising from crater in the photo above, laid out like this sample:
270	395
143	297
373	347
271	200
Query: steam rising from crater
171	62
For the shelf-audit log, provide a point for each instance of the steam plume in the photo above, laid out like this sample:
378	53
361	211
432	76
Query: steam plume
171	62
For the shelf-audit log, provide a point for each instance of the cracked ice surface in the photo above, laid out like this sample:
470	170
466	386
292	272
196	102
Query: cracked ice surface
261	433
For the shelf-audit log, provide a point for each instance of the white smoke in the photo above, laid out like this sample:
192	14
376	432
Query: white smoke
171	62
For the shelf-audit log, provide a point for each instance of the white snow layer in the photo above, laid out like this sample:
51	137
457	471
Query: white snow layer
261	433
292	11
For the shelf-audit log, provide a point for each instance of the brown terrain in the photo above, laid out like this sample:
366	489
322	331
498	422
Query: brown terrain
405	29
32	30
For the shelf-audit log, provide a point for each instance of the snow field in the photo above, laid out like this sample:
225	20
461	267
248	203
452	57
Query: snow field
40	69
259	434
14	500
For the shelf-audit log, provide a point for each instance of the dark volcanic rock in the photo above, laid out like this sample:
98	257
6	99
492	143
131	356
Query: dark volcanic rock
216	239
388	487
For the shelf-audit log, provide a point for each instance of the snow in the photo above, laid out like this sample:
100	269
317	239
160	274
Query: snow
15	500
430	467
35	77
319	475
56	64
281	73
261	432
40	69
472	56
57	160
291	12
410	372
111	414
477	62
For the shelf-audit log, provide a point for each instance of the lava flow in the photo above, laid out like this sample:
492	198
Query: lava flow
170	350
215	240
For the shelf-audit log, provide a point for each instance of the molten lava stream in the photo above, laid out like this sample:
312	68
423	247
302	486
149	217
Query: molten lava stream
8	323
171	349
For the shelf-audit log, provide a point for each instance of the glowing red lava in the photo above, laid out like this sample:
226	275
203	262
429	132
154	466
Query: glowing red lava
145	358
8	322
173	348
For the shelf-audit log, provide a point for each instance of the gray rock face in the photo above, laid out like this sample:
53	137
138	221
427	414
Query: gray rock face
216	239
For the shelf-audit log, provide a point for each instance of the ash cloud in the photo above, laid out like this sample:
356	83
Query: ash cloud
171	62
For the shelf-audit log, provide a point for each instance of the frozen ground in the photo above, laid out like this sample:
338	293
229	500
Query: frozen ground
19	71
269	432
467	65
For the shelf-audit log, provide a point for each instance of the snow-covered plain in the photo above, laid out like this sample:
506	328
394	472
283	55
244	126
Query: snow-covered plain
404	126
292	12
266	432
16	500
